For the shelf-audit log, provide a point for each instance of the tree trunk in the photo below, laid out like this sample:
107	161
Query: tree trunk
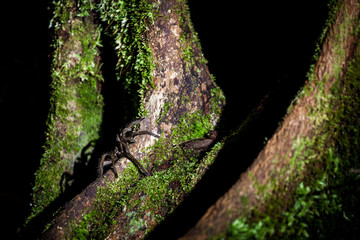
311	136
76	104
162	68
160	61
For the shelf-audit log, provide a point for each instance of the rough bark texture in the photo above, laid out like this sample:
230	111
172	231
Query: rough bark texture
73	211
181	77
330	69
183	103
76	105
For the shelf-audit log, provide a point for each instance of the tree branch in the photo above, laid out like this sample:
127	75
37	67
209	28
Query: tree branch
282	163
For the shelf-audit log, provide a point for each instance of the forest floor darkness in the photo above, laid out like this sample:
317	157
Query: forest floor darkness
253	49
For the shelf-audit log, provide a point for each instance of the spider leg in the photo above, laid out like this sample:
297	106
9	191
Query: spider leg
112	156
113	159
128	128
116	151
122	147
101	164
124	138
129	139
137	164
118	138
145	132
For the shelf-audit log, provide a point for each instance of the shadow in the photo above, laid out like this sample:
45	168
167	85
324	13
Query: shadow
83	172
119	108
260	59
24	104
71	184
247	68
235	157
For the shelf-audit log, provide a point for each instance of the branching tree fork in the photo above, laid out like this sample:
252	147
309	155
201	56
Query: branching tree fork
162	68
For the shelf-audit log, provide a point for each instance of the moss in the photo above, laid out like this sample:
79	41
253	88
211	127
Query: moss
318	203
304	91
76	104
127	21
189	39
175	171
192	126
164	111
217	101
324	190
151	199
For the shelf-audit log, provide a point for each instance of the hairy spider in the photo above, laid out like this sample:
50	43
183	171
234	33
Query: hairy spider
124	138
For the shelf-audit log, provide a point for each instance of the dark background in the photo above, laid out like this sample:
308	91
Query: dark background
252	48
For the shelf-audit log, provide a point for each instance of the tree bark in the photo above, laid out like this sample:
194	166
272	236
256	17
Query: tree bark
76	104
162	63
301	129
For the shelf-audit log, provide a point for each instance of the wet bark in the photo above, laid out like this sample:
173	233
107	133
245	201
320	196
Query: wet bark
337	51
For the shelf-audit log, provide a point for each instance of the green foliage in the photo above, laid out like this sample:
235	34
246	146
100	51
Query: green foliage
291	224
128	22
136	223
75	104
174	176
189	40
321	202
192	126
333	8
75	78
61	13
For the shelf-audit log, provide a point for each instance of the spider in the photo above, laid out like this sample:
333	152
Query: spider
123	139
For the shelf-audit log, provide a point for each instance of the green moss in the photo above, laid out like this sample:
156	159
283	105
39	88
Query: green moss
217	100
127	21
174	175
304	91
189	38
164	111
192	126
76	104
324	202
175	171
136	223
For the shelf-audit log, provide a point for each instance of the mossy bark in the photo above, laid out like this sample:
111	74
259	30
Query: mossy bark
305	141
162	64
76	103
